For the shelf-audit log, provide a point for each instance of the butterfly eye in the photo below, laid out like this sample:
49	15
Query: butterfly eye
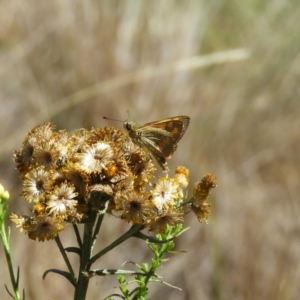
128	126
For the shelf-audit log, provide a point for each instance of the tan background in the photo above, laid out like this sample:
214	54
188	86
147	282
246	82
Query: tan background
244	128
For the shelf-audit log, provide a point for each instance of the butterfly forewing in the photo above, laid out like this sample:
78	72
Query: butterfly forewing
160	138
159	141
175	126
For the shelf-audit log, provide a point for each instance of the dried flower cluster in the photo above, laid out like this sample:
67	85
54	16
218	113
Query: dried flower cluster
201	192
66	177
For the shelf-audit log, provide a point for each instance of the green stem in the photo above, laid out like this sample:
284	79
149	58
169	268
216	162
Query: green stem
13	280
79	241
132	231
101	215
66	259
186	202
83	281
97	228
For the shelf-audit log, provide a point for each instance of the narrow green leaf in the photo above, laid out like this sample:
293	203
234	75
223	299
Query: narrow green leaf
18	276
65	274
74	250
10	294
149	238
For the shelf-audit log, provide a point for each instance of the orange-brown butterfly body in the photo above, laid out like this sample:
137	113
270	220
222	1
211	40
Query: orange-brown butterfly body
160	138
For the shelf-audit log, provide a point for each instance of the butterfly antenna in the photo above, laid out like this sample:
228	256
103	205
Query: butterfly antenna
112	119
128	114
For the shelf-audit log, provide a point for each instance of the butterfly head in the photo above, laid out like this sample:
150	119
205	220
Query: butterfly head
131	126
128	125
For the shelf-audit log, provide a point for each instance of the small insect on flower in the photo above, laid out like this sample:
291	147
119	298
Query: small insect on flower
160	138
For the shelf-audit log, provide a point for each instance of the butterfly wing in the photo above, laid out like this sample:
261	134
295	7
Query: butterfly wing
162	137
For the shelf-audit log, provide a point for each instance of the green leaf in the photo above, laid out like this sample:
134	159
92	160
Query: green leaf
74	250
65	274
149	238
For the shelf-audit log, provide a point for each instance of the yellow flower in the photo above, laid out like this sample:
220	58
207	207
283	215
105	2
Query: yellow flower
201	192
36	184
45	228
23	158
182	179
118	170
202	188
41	227
39	209
42	132
202	211
61	201
4	195
124	185
164	218
135	207
78	141
95	158
72	173
47	154
182	176
164	193
19	221
111	135
140	164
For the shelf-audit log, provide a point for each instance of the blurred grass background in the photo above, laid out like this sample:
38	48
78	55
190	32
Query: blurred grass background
72	62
